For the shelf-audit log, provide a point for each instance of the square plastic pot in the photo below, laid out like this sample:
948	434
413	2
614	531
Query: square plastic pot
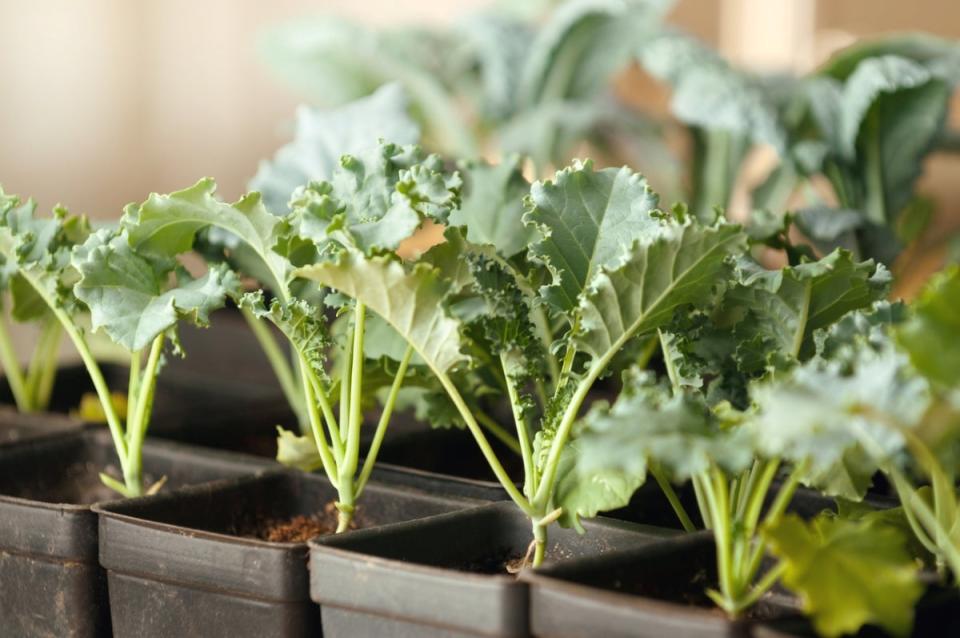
657	590
187	564
444	576
643	592
51	583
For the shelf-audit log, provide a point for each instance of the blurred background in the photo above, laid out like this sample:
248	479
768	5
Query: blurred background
107	100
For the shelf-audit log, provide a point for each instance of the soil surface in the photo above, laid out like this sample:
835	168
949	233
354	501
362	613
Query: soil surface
301	528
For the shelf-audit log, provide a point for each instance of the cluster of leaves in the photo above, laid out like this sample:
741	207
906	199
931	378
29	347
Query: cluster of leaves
865	121
60	271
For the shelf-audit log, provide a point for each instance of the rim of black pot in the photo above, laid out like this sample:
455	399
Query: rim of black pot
106	509
546	577
327	545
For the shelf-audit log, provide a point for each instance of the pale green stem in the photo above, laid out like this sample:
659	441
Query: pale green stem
43	365
12	369
545	489
526	451
96	377
546	339
320	397
777	508
137	428
133	390
484	445
381	431
702	503
540	543
568	357
671	495
280	364
498	431
345	371
316	426
716	492
351	457
672	373
346	496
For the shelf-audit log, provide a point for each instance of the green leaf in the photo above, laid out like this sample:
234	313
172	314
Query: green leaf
848	573
167	225
583	493
648	424
786	306
492	207
376	200
840	420
323	136
930	335
581	46
641	293
128	295
411	301
304	326
588	220
297	451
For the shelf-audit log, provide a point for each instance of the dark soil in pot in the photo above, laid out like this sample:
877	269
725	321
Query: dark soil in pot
196	563
445	576
48	534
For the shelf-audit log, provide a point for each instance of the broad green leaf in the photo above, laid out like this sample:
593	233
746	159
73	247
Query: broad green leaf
918	47
588	220
323	136
786	306
375	200
580	47
872	78
641	292
167	225
583	493
492	207
848	573
411	301
709	93
647	424
333	61
128	295
931	336
298	451
840	421
496	46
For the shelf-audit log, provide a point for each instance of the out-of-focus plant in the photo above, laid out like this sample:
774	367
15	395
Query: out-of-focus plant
497	82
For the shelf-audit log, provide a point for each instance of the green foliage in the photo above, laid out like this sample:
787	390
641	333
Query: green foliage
930	336
848	573
323	136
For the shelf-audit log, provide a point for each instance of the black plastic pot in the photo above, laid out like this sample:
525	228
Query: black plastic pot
444	576
643	592
51	583
186	564
657	590
16	426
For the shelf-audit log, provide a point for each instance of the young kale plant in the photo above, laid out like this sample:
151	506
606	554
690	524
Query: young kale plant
135	298
603	268
370	205
701	427
883	393
31	387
